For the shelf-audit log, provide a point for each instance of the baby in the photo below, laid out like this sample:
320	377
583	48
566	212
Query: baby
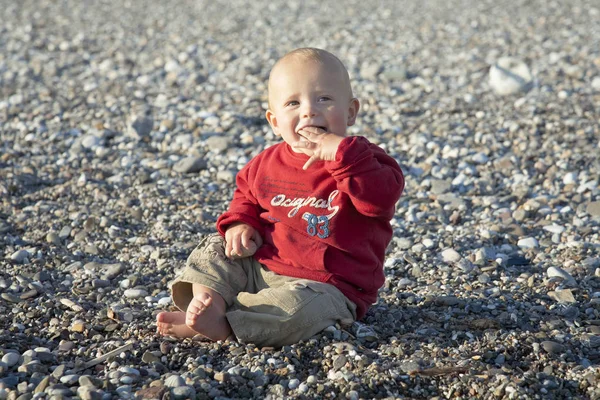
303	242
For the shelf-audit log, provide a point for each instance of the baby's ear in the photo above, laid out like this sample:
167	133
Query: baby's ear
353	111
272	119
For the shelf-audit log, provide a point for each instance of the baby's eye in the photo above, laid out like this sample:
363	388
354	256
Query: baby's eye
324	98
291	103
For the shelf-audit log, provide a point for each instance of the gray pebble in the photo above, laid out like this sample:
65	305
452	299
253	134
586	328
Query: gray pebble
553	347
11	359
19	256
190	165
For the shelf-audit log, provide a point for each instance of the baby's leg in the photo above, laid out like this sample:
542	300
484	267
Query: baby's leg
205	315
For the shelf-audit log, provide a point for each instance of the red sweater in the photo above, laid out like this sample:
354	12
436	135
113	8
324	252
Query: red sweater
329	223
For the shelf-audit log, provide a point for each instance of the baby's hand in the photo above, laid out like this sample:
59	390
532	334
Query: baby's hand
319	145
241	240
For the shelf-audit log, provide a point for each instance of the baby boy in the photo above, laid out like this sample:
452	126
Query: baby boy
302	244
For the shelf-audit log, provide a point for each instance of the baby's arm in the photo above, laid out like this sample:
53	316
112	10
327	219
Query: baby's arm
242	240
240	224
372	179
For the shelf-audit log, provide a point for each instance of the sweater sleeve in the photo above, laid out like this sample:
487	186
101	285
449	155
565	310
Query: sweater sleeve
372	179
244	207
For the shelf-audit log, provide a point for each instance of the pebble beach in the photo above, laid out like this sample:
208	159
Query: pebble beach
122	128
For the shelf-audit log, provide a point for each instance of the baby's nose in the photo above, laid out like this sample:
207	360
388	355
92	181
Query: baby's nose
309	109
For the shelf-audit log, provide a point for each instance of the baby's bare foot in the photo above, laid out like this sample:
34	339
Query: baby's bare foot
173	324
206	316
198	306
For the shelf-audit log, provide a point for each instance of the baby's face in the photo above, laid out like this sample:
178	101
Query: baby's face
304	93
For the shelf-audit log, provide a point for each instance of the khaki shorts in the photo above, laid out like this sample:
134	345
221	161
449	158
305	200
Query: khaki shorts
263	307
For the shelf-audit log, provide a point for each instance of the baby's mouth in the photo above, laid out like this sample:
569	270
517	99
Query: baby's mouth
324	128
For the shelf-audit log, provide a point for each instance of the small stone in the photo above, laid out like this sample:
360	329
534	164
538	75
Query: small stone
190	165
59	371
439	186
593	208
410	366
446	301
148	357
509	76
528	243
89	381
451	256
553	347
174	381
135	293
554	228
560	273
19	256
221	377
78	325
65	232
293	383
218	143
563	296
88	393
111	271
11	359
53	238
69	380
140	126
151	393
11	298
41	387
339	362
183	392
66	345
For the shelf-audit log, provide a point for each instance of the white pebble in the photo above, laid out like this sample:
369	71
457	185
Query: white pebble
294	383
450	255
554	228
135	293
528	243
570	178
560	273
165	301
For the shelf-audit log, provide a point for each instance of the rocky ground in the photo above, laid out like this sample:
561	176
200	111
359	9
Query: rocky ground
123	124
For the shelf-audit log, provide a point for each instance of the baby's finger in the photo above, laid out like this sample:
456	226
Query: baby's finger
302	144
309	134
309	162
228	248
245	239
236	247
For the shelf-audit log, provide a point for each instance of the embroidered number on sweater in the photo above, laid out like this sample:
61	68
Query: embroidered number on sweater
317	226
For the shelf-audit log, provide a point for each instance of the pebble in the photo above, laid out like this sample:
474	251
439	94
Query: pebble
174	381
19	256
190	165
509	75
451	256
11	359
593	208
560	273
135	293
553	347
528	243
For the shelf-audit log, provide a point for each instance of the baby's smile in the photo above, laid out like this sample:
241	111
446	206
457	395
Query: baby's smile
323	128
